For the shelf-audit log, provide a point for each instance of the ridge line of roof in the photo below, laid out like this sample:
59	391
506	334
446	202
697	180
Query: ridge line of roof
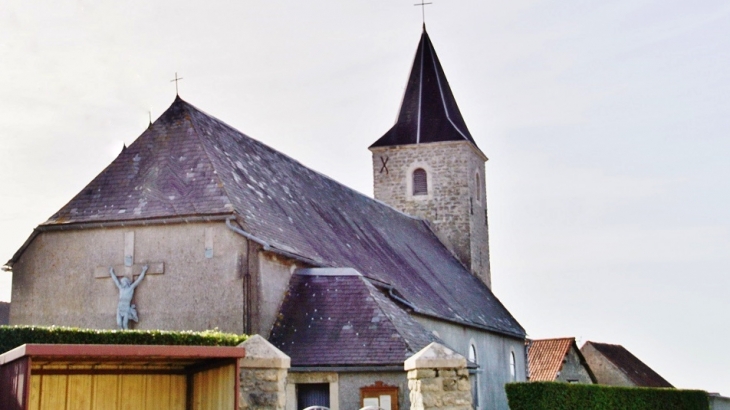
301	164
369	286
551	338
470	324
189	117
623	369
441	89
420	90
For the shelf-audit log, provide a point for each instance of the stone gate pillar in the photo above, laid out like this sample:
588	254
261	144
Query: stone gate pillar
438	379
263	375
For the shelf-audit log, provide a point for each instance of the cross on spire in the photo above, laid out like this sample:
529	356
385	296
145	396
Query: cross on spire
176	81
423	5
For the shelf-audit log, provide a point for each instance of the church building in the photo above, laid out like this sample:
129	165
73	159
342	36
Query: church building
234	235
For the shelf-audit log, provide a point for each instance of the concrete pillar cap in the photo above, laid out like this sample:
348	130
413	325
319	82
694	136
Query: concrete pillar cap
262	354
435	356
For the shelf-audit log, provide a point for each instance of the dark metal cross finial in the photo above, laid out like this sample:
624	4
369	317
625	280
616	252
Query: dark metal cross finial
176	81
423	5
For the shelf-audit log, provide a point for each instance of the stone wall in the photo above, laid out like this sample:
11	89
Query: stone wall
438	379
456	202
263	376
439	388
493	358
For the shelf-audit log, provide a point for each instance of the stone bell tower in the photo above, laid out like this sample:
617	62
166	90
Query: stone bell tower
429	166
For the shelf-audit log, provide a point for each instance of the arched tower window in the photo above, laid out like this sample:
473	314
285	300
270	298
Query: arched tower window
420	182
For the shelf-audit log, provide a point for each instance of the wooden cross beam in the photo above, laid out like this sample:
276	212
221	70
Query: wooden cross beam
128	267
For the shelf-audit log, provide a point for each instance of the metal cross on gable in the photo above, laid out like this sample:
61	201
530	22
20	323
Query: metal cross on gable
176	80
423	5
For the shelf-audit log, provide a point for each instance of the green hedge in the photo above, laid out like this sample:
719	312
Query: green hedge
564	396
14	336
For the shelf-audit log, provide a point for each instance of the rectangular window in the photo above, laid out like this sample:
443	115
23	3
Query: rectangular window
313	394
379	396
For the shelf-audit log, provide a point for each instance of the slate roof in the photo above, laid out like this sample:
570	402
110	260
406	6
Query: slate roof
429	112
188	163
545	357
344	320
641	374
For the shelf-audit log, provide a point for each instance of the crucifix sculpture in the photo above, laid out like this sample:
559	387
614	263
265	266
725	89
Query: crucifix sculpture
124	274
126	310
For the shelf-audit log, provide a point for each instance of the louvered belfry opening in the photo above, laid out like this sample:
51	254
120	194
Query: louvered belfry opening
420	182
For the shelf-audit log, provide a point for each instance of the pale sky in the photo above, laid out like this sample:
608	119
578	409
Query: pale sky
606	125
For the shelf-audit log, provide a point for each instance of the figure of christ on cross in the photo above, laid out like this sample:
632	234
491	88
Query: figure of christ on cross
125	309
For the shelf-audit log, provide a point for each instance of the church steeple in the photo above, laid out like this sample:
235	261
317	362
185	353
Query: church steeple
429	112
429	166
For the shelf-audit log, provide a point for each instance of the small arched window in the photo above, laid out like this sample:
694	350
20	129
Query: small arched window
512	367
474	377
420	182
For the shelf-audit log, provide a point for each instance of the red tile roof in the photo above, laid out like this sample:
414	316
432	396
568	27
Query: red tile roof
545	357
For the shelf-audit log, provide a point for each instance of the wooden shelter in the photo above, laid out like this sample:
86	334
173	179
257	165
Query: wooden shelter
110	377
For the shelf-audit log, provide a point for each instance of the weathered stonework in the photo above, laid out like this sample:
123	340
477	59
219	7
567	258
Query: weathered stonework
263	375
456	203
438	379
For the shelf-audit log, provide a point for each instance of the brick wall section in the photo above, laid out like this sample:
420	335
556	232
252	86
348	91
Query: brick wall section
456	203
439	389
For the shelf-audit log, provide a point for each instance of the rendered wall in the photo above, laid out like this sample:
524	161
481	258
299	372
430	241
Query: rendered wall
455	205
719	402
493	358
351	383
275	273
55	281
573	369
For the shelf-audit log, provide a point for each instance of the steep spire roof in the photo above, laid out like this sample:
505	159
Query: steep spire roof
429	112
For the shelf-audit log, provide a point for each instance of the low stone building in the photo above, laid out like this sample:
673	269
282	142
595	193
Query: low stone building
557	360
613	365
204	227
4	313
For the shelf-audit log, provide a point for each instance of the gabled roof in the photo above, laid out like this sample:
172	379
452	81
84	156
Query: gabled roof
190	164
547	356
429	112
341	319
641	374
